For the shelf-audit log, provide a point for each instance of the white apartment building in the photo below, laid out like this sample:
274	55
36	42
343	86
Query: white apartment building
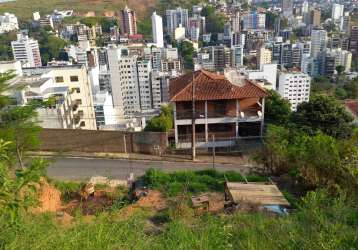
157	28
104	110
74	78
318	41
26	50
295	87
343	58
337	12
267	74
237	56
8	22
175	18
131	81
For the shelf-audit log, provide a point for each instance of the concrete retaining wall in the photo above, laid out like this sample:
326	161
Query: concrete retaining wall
65	140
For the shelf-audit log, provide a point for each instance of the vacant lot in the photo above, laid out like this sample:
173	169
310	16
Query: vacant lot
25	8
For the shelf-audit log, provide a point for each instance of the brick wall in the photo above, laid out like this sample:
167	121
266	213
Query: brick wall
102	141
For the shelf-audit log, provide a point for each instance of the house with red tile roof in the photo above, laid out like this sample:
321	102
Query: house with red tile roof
222	109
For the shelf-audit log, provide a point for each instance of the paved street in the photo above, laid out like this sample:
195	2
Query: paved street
84	168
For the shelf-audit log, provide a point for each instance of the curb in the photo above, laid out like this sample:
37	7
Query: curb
120	157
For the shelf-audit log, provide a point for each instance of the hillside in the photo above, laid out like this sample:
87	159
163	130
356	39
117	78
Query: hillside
24	10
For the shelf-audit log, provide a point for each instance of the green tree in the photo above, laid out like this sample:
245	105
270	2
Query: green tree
323	113
145	28
277	109
351	88
5	46
18	123
18	133
163	122
321	84
187	51
214	21
270	19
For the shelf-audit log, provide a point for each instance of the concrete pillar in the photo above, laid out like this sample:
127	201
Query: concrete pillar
206	122
175	124
263	116
237	118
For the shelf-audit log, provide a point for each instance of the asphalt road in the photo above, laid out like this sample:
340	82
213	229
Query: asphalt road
84	168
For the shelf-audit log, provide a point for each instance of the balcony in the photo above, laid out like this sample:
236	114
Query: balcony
252	114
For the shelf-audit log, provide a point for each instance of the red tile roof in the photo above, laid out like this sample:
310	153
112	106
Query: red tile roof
211	86
352	106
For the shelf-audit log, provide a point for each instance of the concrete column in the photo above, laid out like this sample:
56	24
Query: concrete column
206	122
263	116
237	118
175	124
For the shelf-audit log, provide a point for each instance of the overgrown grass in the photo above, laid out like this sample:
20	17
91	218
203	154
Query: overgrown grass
193	181
319	223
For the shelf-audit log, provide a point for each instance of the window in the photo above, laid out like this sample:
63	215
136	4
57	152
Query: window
59	79
74	78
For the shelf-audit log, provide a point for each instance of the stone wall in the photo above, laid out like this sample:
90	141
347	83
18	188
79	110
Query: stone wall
65	140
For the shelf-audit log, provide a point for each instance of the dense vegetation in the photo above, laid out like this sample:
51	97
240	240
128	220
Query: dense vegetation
5	46
193	182
162	123
214	21
344	89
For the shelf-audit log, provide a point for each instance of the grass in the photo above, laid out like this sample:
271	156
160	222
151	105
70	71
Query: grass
193	181
319	223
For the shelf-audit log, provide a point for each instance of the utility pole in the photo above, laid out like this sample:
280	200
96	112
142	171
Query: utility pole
214	152
193	139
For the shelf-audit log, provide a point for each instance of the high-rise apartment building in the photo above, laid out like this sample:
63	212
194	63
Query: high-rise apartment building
287	8
131	81
128	21
337	12
26	50
254	21
318	41
157	28
294	87
176	18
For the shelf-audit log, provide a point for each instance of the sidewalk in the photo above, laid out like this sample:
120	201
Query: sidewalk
233	160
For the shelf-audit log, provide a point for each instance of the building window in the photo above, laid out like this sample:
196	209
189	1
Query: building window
74	78
82	124
59	79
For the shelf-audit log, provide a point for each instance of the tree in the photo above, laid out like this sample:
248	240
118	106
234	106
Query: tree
214	21
145	28
270	19
163	122
18	133
277	109
340	69
351	88
186	51
18	123
323	113
320	161
5	46
321	84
